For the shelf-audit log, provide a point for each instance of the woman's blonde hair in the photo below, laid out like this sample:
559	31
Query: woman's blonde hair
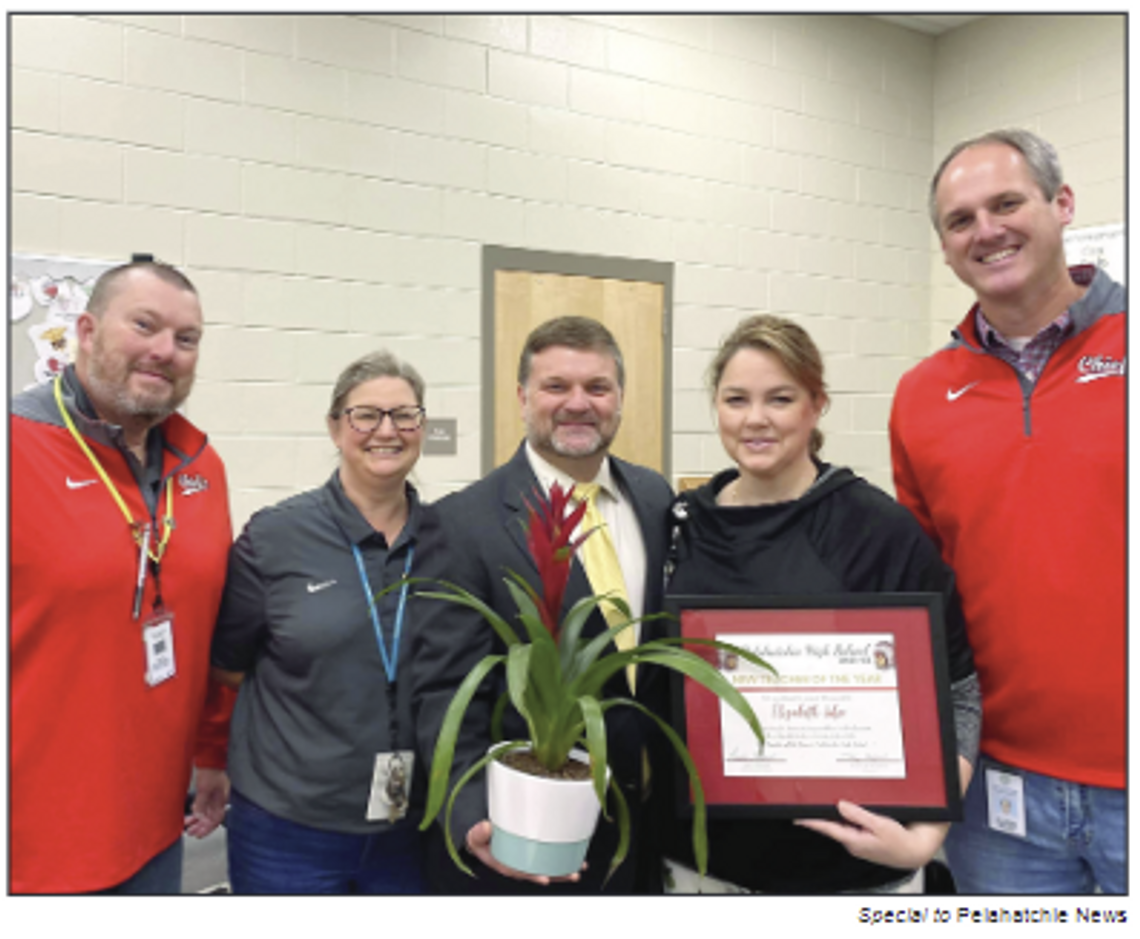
789	343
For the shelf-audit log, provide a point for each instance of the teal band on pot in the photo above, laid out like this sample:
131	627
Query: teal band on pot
550	858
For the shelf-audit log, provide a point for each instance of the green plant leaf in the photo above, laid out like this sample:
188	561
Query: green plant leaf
475	767
528	610
696	668
667	654
700	830
535	690
572	625
531	593
588	654
398	585
618	602
548	700
715	643
591	679
518	677
448	734
464	598
596	744
497	716
565	729
621	810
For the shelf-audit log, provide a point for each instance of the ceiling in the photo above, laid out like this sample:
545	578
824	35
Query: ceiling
928	22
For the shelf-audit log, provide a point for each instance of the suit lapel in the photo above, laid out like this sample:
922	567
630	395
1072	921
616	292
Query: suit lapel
517	481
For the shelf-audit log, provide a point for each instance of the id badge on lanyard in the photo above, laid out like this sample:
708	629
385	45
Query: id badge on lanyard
158	630
1005	798
392	771
391	782
158	640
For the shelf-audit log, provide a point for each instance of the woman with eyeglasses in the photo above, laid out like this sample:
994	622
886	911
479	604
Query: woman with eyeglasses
326	793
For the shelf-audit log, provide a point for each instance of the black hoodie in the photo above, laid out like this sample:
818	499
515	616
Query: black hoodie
842	536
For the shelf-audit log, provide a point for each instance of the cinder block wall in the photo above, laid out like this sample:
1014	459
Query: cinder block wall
1062	77
328	182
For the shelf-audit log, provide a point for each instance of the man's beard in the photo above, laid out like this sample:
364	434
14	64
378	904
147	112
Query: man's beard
562	448
599	444
115	396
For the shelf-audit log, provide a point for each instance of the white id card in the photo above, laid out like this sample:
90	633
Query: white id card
391	786
158	639
1005	800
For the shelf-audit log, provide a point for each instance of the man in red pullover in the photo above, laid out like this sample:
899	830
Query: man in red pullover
1008	446
120	530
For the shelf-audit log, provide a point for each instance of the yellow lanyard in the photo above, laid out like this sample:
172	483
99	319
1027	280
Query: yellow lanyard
136	527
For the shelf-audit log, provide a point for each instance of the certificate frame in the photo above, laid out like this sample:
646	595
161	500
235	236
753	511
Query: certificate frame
928	787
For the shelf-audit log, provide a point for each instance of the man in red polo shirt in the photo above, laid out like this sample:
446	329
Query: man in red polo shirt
1008	445
120	531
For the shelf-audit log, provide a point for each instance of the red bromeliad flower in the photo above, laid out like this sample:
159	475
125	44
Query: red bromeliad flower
549	529
560	691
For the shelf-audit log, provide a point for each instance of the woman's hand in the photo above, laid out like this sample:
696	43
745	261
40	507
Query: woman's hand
211	795
479	844
881	839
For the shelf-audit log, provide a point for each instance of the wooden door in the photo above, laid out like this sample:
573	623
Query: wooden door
634	311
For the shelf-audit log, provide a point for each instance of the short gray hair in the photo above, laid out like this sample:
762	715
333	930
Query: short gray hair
1039	154
380	364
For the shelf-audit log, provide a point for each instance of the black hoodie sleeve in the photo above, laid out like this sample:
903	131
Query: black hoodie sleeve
874	545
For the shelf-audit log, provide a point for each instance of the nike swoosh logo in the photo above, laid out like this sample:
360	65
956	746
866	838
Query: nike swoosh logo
314	588
1093	376
79	484
952	395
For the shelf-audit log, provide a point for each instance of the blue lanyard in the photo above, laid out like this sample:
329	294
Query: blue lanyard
390	663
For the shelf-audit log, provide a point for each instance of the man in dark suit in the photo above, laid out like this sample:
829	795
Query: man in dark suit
570	386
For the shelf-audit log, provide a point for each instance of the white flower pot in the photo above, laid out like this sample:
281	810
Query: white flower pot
541	826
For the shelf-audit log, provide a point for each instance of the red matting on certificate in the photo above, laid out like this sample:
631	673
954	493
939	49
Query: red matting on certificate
924	784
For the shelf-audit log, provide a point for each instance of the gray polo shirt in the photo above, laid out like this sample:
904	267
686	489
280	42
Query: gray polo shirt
313	711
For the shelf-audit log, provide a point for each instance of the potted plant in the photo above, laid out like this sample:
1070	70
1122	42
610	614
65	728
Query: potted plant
555	679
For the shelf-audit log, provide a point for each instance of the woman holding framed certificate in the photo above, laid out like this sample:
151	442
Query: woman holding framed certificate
784	524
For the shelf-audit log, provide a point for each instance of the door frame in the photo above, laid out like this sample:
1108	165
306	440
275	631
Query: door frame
500	258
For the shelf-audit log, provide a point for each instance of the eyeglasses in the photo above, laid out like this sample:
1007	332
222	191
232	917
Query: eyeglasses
364	418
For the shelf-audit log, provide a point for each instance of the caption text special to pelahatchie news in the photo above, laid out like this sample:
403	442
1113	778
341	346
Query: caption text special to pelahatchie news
962	915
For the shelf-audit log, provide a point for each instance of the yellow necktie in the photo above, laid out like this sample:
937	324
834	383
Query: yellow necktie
603	569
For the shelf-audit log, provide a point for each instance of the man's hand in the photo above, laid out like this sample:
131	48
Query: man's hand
479	844
212	793
881	839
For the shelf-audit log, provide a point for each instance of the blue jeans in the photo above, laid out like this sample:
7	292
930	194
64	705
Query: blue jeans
269	854
162	874
1074	839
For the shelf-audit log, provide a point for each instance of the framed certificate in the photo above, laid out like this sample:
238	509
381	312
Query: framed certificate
857	707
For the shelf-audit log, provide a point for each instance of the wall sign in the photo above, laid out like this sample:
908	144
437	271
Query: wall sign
1102	246
441	436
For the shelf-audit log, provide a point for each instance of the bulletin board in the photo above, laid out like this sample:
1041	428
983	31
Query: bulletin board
46	296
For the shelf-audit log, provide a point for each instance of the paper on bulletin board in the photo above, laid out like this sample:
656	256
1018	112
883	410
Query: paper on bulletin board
1102	246
46	296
